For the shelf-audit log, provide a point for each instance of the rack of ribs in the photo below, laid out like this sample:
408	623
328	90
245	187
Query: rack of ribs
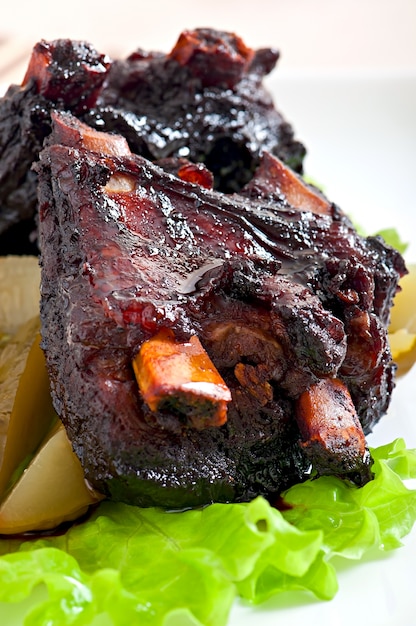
214	327
162	103
205	346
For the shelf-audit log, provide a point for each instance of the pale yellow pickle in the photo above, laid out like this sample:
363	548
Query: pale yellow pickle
402	331
41	480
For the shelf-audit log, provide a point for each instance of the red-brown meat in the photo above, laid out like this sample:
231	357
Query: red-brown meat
275	283
162	103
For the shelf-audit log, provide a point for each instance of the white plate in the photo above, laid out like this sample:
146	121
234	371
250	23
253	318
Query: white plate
360	131
361	137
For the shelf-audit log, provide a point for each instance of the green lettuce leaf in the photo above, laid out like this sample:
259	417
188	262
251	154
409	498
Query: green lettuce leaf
392	237
355	521
128	565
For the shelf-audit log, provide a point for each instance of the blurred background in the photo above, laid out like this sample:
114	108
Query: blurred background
311	34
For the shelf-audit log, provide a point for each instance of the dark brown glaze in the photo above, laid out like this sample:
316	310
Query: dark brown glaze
205	101
163	104
65	75
129	249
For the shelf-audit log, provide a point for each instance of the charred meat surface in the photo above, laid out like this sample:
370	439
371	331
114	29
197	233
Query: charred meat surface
65	75
213	325
331	433
285	299
205	101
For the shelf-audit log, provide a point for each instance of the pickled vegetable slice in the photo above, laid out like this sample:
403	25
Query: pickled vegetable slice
26	411
402	331
51	490
19	288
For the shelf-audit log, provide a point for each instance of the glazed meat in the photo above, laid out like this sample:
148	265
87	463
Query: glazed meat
205	346
205	101
65	75
214	327
162	103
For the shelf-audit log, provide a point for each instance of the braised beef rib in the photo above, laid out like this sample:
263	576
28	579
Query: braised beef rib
205	100
271	287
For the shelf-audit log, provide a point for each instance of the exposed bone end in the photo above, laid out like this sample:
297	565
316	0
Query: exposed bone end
39	63
69	131
273	174
213	57
298	193
120	183
68	72
181	377
331	432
